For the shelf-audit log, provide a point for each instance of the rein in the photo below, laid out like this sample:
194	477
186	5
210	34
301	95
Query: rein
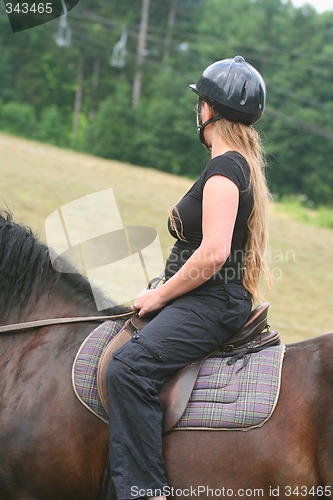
15	327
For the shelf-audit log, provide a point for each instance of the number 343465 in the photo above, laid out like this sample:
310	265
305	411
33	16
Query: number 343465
24	8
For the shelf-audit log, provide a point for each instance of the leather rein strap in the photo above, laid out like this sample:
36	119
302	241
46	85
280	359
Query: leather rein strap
15	327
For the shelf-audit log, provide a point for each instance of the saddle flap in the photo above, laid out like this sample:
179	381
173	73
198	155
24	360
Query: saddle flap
120	339
174	393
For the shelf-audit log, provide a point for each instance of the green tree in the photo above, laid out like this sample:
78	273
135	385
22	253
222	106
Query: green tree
18	118
292	47
110	135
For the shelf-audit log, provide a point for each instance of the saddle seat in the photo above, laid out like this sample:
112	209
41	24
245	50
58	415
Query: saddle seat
176	390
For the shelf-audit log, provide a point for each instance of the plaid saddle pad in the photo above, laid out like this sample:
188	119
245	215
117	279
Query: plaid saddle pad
229	393
84	371
233	393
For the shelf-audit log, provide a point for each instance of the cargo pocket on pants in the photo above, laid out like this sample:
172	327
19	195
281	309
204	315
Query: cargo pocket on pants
145	358
238	307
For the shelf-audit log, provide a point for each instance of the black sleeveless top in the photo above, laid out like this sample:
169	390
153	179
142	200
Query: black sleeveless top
233	166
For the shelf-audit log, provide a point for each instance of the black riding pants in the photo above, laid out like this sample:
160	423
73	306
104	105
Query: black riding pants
191	326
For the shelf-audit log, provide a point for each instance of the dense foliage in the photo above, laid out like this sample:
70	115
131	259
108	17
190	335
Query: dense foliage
41	81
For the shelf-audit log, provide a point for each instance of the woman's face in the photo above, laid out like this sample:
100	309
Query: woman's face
206	112
198	110
203	112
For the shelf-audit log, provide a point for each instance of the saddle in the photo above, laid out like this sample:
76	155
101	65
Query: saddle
176	390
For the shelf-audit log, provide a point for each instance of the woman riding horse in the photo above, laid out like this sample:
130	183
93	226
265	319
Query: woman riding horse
212	274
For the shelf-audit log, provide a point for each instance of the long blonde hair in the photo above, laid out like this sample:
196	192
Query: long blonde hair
246	140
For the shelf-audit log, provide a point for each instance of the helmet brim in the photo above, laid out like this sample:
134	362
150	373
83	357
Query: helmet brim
193	87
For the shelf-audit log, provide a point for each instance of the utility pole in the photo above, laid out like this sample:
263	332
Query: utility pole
94	85
78	97
171	22
141	51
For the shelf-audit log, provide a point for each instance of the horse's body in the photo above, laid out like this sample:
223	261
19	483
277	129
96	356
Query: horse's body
293	449
52	448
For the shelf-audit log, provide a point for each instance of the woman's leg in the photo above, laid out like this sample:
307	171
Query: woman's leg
135	423
185	330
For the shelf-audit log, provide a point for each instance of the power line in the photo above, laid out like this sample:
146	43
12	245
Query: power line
300	124
110	26
260	52
290	120
277	89
256	54
308	102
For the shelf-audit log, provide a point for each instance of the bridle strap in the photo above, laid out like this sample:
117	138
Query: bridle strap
15	327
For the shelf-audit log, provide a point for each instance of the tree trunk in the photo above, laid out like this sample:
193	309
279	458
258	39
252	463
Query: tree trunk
140	51
78	97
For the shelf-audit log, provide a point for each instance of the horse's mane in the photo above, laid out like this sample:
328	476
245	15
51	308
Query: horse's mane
26	271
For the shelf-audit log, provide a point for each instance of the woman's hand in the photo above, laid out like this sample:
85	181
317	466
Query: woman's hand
148	301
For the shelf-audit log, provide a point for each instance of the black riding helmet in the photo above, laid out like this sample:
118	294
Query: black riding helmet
235	89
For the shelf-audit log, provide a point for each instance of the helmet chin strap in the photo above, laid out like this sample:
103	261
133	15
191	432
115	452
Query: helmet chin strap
202	126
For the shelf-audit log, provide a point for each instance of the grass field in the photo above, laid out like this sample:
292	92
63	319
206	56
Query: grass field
295	207
37	179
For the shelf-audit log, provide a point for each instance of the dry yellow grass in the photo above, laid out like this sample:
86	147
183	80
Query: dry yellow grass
37	179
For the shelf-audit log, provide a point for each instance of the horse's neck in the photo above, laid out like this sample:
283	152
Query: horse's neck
49	306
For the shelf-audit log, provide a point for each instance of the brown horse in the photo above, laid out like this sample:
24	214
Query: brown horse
52	448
